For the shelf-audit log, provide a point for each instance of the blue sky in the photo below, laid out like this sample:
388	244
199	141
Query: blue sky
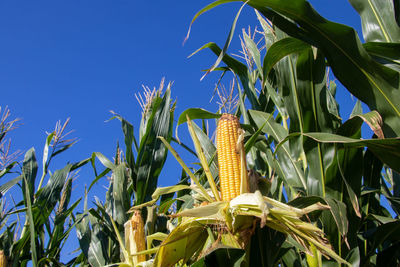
81	59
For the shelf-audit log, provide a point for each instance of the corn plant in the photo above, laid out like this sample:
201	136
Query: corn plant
105	232
307	152
45	209
298	149
7	157
230	224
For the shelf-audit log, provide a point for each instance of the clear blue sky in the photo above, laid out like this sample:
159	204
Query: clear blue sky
81	59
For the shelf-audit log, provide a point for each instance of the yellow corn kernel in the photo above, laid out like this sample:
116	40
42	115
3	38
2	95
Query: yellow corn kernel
229	156
135	236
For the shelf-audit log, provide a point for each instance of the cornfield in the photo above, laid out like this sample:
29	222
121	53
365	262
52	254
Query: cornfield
279	178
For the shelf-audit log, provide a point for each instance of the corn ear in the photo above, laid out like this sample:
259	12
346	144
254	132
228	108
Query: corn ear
135	236
3	259
231	157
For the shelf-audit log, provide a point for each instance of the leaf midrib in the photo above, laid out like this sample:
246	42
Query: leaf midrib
379	21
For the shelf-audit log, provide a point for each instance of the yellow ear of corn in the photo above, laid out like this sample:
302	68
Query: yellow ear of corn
3	259
135	236
229	156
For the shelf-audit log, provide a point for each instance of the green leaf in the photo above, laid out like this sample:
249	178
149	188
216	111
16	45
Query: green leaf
130	139
265	247
397	11
333	106
389	52
338	211
83	232
79	164
203	160
385	53
382	219
30	221
96	255
46	152
7	169
8	185
60	232
378	20
196	113
29	171
366	79
371	82
285	76
208	148
98	177
291	257
396	184
117	197
387	232
277	100
291	168
387	150
194	179
313	107
353	257
357	109
372	182
253	139
103	159
281	49
223	256
49	195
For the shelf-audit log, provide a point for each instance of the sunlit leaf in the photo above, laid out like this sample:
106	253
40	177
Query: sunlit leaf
378	20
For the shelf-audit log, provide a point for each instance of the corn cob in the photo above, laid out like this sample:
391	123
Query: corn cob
231	158
135	236
3	259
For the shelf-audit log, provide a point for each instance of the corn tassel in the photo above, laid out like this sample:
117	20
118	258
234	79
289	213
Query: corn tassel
135	236
231	157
